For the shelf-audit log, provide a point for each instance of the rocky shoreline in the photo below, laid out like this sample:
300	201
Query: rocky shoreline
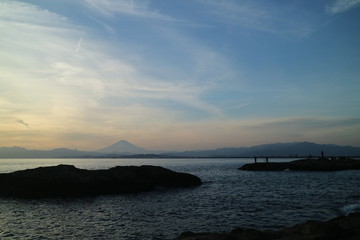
69	181
343	227
320	164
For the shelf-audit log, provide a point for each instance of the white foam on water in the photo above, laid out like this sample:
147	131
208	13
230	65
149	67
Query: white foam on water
350	208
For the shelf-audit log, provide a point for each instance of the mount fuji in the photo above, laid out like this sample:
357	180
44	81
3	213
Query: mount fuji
123	146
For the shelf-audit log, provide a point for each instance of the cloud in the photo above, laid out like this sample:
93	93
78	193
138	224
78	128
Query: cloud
19	12
134	8
23	123
340	6
78	46
264	16
312	123
237	13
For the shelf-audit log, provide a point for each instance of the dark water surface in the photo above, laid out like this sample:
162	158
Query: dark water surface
228	198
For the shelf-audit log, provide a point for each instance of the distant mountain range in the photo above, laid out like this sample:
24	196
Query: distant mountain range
125	149
296	149
18	152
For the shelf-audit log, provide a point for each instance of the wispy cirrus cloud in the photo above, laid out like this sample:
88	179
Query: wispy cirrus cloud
340	6
312	123
237	13
135	8
265	16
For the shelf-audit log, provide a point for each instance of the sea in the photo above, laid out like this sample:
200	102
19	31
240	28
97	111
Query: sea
227	199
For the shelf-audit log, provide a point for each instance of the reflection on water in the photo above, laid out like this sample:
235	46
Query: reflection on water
228	198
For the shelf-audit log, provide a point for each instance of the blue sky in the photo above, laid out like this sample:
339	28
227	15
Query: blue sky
178	75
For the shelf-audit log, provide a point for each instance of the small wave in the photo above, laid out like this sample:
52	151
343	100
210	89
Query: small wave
350	208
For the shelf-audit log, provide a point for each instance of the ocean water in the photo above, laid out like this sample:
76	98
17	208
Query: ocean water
228	198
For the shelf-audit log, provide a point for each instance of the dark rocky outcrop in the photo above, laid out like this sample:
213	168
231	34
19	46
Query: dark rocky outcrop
344	228
69	181
320	164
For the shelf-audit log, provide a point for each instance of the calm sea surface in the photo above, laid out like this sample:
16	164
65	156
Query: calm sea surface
228	198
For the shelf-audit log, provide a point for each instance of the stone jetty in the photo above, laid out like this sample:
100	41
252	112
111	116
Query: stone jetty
319	164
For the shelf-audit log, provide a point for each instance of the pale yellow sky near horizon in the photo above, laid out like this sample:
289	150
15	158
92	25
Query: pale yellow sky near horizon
190	136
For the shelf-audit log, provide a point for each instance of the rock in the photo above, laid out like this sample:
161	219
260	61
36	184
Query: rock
344	228
69	181
320	164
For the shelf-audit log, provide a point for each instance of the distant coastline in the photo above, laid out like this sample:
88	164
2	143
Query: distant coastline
124	149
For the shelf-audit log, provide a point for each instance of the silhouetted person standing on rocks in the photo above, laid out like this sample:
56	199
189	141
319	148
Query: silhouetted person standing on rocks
267	159
255	159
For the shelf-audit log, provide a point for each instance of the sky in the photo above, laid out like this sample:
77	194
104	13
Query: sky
178	74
